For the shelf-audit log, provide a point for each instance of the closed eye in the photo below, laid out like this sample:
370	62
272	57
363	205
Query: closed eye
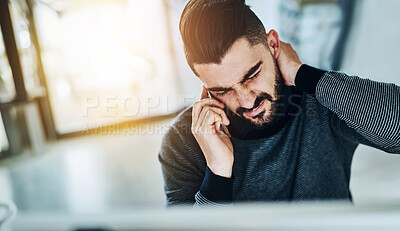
221	93
255	75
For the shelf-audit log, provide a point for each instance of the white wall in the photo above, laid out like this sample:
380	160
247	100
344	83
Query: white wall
372	52
373	47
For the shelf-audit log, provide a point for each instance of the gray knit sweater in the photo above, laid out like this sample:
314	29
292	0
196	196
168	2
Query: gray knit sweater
307	156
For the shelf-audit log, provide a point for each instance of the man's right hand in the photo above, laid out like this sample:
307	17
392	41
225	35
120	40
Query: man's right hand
207	116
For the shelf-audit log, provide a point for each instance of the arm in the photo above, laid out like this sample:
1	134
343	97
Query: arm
370	108
208	119
183	165
214	191
365	111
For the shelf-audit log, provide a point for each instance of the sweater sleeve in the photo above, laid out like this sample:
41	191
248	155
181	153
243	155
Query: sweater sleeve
215	190
369	108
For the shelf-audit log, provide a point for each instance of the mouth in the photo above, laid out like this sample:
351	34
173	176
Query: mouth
256	110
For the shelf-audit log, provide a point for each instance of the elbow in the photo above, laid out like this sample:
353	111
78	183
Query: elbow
394	144
393	149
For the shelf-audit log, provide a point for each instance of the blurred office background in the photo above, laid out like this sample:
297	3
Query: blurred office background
87	89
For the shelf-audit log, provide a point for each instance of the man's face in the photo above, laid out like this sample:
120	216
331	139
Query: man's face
247	81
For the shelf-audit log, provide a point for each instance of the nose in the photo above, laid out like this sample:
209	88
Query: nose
245	97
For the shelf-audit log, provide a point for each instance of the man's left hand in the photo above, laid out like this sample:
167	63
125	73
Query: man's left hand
289	63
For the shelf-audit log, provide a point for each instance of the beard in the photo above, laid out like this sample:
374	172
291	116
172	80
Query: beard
266	117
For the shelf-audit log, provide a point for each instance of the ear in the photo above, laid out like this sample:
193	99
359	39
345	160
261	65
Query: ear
274	43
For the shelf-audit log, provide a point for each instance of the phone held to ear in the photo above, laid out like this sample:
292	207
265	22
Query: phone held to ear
224	128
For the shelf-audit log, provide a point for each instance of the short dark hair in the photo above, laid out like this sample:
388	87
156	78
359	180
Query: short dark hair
210	27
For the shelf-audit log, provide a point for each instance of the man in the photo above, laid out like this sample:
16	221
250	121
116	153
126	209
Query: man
294	127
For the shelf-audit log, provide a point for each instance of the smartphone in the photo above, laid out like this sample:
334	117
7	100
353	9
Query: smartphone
224	128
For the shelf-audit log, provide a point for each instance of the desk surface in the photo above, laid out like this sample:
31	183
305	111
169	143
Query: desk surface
277	217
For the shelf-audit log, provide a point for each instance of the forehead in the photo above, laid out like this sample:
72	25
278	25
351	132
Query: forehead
236	63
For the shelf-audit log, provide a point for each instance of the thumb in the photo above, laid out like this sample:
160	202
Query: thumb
204	92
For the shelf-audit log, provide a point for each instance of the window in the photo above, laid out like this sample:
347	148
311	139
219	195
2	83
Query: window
27	53
3	137
106	61
7	88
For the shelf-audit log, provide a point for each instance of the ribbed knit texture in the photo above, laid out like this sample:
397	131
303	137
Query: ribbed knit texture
308	159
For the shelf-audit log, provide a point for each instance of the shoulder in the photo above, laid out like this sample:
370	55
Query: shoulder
180	150
180	127
178	140
312	108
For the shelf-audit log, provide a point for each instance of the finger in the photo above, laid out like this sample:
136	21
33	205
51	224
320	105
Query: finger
198	107
220	112
218	126
210	120
284	43
203	114
225	119
204	92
